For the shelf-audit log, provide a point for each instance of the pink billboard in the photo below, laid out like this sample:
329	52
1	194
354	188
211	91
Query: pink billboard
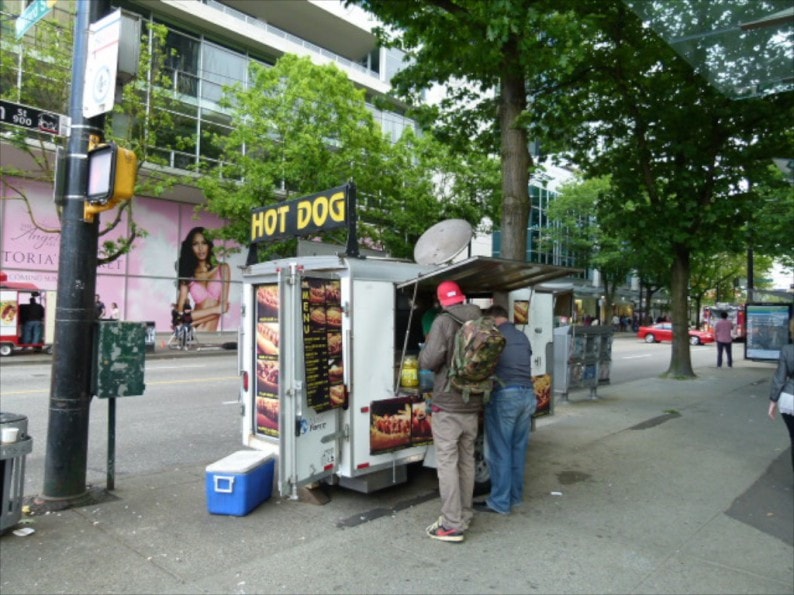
144	284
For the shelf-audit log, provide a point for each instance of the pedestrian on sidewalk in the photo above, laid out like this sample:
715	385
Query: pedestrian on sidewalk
99	307
783	382
454	419
33	329
723	333
508	418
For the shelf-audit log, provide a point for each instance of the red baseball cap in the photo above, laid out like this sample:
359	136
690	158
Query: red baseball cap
449	293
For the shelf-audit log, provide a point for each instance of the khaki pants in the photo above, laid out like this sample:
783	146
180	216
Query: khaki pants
453	436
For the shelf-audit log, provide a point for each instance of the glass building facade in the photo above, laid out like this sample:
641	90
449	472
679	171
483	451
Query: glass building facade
200	65
541	247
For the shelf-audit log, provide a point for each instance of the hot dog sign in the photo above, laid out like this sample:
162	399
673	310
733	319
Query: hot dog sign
326	210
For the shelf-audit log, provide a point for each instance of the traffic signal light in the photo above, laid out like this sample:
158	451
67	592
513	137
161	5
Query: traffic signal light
112	171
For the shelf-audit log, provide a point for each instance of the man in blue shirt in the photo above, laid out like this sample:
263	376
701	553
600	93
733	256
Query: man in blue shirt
508	418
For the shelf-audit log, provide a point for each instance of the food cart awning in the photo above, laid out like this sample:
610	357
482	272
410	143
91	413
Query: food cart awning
480	276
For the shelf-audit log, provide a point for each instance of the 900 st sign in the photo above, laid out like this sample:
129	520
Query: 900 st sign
28	117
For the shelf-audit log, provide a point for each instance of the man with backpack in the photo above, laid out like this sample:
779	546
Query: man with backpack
508	418
454	419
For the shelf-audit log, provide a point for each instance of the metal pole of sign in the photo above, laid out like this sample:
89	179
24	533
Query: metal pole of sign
111	471
70	395
352	221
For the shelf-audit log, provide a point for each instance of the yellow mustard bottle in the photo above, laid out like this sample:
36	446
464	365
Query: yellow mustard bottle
410	374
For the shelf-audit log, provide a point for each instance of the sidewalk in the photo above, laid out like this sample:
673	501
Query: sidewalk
658	486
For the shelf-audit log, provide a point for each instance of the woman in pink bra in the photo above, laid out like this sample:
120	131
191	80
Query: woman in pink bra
204	280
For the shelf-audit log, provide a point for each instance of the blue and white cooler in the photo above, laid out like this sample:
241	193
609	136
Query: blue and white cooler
240	482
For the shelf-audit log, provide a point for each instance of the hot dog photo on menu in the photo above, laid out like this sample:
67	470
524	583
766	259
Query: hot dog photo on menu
267	338
390	425
267	415
267	301
521	312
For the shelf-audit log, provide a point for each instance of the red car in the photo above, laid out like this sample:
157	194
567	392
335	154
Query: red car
663	331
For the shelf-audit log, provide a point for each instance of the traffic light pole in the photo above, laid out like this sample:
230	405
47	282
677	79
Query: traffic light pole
70	388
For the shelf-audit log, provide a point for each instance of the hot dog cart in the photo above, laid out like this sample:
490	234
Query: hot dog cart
324	342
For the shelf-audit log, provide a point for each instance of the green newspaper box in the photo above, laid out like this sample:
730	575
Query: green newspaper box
119	359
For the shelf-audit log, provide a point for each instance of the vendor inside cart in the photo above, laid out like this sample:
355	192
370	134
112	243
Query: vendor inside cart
32	317
410	312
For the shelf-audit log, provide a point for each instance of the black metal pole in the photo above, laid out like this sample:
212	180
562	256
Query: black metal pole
70	392
111	462
750	275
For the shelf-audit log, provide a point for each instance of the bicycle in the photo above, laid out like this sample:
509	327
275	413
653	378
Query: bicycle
183	336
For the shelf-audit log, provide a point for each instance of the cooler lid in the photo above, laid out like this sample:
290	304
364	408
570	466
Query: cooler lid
241	461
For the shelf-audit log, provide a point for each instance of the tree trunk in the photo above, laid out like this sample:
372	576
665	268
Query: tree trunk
609	299
516	159
680	362
698	302
649	291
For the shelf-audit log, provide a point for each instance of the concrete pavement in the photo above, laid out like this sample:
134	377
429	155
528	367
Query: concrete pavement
665	486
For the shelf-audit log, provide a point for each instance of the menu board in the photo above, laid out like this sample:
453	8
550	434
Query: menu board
322	343
267	359
399	423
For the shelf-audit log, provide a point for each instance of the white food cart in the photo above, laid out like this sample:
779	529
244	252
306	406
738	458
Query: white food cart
322	344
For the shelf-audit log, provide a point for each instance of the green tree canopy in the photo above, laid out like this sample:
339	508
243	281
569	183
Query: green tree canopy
300	128
297	129
679	153
483	53
596	242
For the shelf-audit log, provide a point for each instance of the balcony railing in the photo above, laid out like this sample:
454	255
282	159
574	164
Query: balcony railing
289	36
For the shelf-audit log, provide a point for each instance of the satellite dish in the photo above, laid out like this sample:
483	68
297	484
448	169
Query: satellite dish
443	242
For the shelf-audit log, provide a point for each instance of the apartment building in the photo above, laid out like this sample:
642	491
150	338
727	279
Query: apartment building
213	44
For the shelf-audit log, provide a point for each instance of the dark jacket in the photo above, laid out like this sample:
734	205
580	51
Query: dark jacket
783	380
437	355
515	363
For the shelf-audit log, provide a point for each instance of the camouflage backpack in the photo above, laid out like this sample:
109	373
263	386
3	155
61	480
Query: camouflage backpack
478	345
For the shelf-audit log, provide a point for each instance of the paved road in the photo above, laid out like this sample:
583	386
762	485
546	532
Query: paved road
665	486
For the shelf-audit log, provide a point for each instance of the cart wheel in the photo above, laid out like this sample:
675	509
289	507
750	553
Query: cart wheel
6	349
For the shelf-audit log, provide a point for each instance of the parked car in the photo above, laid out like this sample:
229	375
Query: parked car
663	331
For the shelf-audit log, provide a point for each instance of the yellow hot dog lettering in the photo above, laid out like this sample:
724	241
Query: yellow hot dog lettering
309	214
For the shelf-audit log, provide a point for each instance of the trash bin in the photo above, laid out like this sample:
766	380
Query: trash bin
12	467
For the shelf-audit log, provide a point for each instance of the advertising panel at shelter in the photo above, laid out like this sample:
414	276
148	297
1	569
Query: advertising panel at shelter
767	330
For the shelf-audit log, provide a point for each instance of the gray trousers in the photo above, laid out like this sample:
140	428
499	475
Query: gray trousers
453	437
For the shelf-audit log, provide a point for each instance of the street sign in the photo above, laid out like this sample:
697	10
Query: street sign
32	118
99	92
36	10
